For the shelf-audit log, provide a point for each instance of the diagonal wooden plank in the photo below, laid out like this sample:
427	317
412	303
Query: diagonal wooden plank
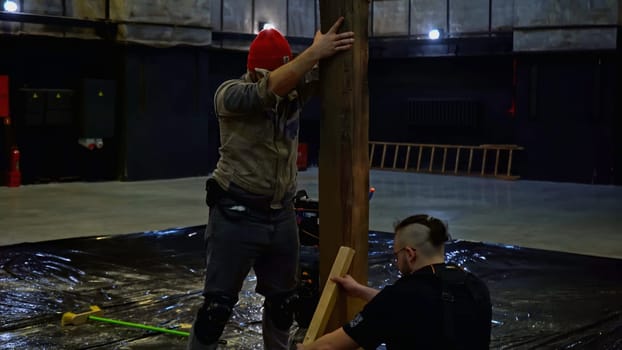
329	295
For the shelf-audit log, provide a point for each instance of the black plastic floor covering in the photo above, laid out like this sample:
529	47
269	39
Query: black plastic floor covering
541	299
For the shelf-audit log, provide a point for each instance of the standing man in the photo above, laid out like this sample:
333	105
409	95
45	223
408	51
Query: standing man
432	306
252	223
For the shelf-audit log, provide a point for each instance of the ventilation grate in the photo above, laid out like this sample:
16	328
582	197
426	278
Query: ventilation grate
444	113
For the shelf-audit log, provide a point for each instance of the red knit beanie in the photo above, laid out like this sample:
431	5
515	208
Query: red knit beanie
269	50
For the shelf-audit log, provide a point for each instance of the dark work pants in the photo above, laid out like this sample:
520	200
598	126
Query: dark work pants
239	238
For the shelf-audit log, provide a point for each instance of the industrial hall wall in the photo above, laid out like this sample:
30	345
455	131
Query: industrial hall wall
157	128
544	75
132	76
50	79
562	108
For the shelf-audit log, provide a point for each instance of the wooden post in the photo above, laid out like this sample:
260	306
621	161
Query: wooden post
407	157
484	161
510	162
371	154
397	149
384	153
470	160
344	158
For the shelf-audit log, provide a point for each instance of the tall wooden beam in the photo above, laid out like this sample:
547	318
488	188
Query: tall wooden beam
344	158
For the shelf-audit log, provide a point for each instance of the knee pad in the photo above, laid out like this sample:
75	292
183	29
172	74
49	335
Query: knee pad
212	317
281	307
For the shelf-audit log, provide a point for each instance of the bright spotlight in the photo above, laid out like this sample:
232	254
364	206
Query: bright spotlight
261	25
10	6
434	34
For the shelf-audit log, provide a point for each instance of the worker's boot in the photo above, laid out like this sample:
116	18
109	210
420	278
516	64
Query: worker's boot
195	344
273	337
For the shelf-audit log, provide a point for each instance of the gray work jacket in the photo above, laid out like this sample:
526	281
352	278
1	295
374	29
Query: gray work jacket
259	137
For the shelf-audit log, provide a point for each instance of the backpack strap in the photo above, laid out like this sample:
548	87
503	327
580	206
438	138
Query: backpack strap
448	277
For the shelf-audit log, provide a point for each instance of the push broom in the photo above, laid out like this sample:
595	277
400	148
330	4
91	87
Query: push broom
70	318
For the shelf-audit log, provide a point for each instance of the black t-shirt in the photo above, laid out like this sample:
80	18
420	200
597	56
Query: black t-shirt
414	314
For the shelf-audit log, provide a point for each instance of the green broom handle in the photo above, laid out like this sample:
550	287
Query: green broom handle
138	325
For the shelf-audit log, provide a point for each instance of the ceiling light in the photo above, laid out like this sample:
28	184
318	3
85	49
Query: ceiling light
265	25
434	34
10	6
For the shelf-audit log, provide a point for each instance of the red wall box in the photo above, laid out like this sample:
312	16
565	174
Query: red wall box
301	161
4	96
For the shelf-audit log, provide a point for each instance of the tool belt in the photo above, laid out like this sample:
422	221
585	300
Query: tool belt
214	193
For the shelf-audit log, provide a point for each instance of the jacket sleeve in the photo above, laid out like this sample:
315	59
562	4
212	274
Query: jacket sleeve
239	98
369	327
309	85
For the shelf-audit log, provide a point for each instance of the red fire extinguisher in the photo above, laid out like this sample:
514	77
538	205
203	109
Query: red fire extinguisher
15	176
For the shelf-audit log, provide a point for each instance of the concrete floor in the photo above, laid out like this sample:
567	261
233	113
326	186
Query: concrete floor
585	219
